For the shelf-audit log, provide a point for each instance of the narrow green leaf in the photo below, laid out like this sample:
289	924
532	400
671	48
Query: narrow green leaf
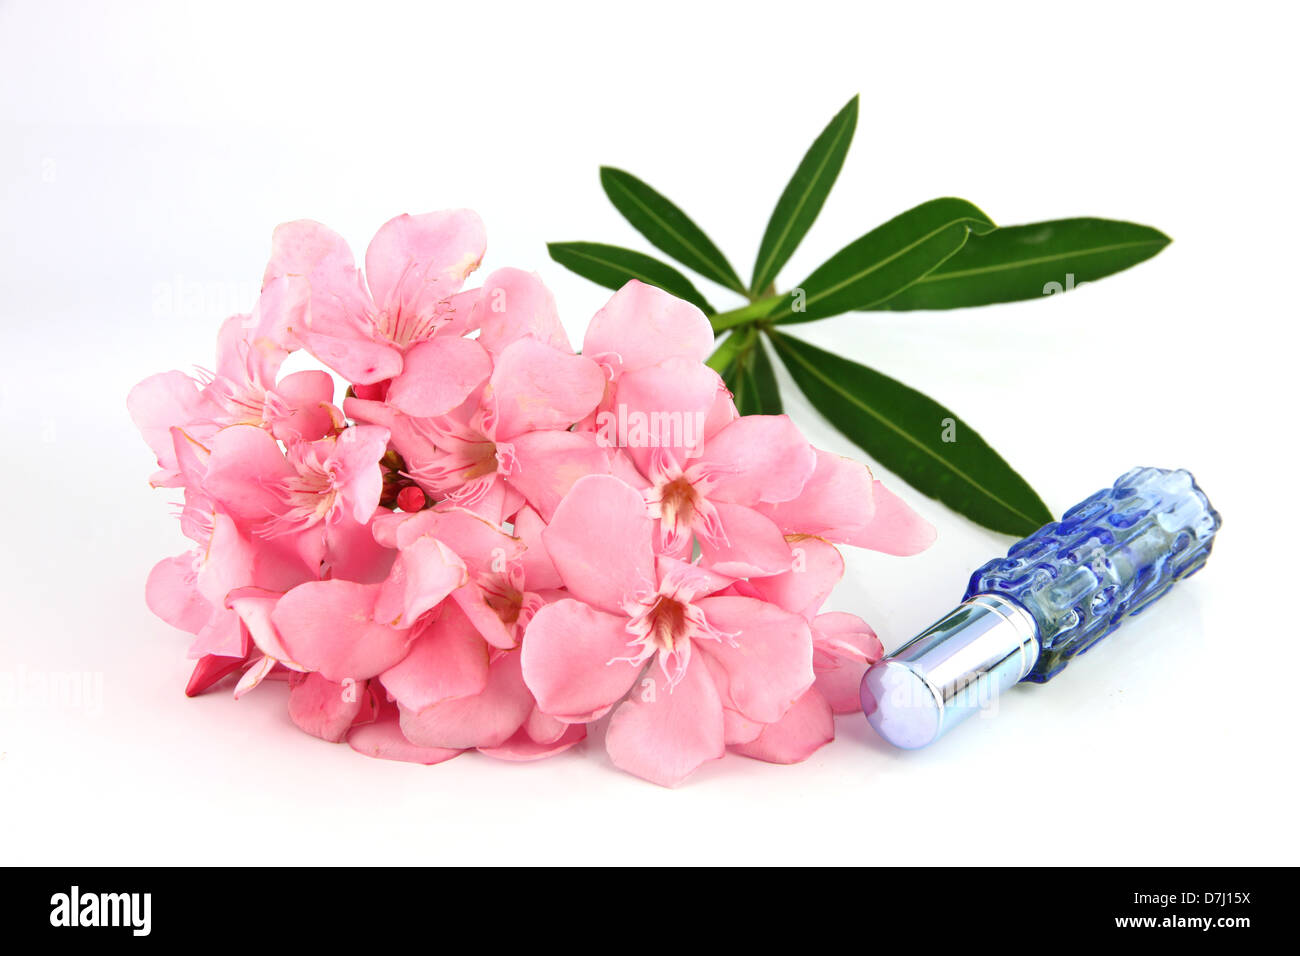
905	431
767	393
1026	262
733	365
667	227
613	266
747	372
803	196
885	261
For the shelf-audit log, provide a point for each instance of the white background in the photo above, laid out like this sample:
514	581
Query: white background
149	150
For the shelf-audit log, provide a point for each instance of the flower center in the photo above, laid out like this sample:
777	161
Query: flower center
482	460
676	506
405	327
308	497
505	599
668	623
664	625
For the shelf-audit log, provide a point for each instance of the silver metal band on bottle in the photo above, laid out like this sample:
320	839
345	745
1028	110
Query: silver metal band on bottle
952	669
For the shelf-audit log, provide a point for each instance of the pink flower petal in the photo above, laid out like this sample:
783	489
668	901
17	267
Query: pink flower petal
547	463
351	552
535	385
544	728
448	660
438	375
768	660
836	502
238	362
172	593
221	636
355	471
282	311
340	310
721	414
840	682
688	578
323	708
660	411
414	262
664	735
539	571
425	573
254	676
844	646
754	546
329	626
806	726
600	542
739	728
522	747
243	472
472	601
457	313
482	545
159	403
571	660
300	406
488	719
383	738
817	568
512	304
846	635
360	360
644	325
895	528
759	458
254	607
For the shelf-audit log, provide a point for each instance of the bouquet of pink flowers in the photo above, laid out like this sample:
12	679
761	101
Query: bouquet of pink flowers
496	541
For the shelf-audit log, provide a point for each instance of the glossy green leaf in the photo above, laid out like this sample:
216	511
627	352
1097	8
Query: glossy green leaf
747	371
884	262
613	266
804	196
1027	262
667	227
766	393
905	431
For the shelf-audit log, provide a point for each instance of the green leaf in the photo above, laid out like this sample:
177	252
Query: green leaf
667	227
803	196
1026	262
905	430
613	266
884	262
767	393
747	371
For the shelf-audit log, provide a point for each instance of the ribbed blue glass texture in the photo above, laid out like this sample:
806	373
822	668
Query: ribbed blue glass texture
1110	556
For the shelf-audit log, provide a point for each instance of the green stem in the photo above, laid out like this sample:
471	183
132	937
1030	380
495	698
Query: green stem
745	314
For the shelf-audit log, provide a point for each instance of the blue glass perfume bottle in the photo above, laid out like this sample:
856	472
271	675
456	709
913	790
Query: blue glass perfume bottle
1054	596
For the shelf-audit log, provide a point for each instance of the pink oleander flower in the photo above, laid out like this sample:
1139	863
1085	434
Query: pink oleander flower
363	326
843	646
189	591
649	635
242	390
639	327
499	436
435	645
495	541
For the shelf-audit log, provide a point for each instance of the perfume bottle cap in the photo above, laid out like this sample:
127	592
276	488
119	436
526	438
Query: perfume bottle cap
949	671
